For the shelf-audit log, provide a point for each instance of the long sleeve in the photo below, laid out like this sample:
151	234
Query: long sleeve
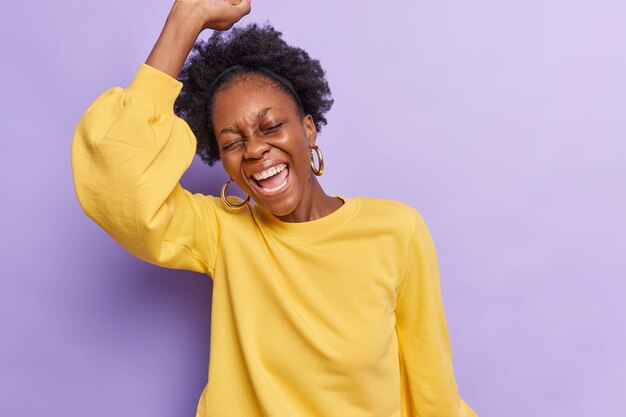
428	385
129	152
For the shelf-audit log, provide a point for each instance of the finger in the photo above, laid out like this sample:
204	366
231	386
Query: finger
236	2
241	8
245	6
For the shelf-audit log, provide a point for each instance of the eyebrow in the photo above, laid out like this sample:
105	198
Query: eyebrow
258	118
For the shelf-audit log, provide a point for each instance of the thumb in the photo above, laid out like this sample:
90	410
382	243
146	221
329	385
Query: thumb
240	7
245	6
238	3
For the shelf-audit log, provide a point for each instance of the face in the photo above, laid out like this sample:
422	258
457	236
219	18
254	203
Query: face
264	144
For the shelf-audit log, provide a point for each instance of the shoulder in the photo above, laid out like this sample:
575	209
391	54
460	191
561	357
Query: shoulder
401	211
215	207
394	214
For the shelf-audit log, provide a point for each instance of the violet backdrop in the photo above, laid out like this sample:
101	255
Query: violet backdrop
502	122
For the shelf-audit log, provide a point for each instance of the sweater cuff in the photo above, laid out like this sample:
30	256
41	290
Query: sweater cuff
157	86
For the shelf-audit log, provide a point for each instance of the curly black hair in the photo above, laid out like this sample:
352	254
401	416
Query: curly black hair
215	63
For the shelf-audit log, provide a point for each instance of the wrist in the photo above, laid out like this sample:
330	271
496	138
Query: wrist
187	15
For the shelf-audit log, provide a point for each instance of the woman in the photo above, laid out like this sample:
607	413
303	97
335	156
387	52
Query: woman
322	305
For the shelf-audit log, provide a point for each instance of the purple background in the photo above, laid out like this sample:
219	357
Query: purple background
502	122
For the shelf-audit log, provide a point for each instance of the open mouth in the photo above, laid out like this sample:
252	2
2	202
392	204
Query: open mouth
273	179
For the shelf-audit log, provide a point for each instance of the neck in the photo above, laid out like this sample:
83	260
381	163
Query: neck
315	204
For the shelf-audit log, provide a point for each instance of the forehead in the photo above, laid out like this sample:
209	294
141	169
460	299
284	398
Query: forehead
250	93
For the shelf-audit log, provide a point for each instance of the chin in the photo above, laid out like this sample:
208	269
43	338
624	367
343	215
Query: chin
279	208
281	200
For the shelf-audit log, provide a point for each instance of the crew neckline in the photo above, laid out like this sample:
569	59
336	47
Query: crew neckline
311	228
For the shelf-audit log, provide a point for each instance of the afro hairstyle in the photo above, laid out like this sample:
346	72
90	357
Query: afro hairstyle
252	49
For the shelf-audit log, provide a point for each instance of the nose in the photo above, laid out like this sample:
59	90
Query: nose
256	147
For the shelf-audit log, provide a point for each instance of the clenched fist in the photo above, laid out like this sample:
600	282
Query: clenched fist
217	14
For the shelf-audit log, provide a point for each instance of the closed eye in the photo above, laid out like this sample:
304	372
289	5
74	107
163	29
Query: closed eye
273	128
232	145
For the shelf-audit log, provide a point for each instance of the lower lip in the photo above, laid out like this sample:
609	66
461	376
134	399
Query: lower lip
267	192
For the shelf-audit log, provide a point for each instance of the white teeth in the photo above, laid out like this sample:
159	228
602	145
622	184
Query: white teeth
271	190
270	172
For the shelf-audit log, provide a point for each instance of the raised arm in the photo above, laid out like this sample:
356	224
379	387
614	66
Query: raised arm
129	152
183	25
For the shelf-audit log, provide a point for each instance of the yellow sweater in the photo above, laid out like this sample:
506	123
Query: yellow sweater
337	317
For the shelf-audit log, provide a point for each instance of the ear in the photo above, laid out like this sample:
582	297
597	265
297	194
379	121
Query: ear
310	129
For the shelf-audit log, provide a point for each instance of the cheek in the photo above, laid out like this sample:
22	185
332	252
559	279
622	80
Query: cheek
303	156
298	144
231	165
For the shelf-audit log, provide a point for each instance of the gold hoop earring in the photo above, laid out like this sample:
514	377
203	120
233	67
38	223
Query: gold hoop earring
228	203
317	170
